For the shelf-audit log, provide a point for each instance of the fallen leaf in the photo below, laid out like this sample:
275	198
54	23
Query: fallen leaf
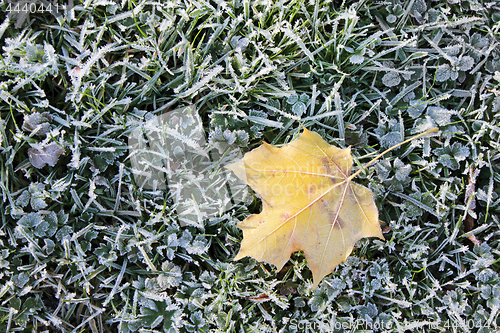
310	204
37	121
471	187
474	240
48	154
259	299
469	195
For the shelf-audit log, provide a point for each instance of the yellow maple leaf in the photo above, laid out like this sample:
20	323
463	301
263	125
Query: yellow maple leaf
310	204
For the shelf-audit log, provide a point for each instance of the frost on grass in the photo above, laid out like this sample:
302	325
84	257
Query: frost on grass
45	155
79	226
38	123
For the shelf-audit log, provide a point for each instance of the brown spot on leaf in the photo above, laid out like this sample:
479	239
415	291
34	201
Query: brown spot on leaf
311	190
330	168
338	223
325	162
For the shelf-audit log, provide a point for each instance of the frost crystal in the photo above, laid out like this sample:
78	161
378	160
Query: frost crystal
440	115
391	79
356	59
39	122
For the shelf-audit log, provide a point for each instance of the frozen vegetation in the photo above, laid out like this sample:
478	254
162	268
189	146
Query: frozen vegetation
89	243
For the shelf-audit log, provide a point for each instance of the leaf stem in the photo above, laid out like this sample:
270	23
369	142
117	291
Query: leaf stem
432	130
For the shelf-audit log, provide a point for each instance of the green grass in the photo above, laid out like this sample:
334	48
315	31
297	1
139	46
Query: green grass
85	247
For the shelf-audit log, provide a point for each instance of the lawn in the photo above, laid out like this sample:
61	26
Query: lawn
112	222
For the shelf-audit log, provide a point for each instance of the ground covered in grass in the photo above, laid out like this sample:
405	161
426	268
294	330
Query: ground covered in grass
87	246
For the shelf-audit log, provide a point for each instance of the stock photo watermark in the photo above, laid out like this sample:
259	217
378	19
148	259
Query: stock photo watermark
334	325
381	326
21	9
170	152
